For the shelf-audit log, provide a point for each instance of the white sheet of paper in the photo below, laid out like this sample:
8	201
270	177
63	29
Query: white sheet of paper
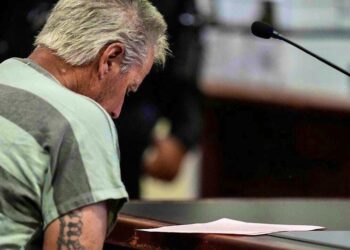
229	226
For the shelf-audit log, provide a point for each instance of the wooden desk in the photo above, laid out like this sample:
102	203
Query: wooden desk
331	213
260	141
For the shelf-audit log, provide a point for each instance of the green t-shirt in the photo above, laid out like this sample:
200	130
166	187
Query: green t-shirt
58	152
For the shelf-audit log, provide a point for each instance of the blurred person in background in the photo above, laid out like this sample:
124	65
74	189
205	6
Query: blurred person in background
171	93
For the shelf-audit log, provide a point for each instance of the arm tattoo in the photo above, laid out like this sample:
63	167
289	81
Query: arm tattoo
70	231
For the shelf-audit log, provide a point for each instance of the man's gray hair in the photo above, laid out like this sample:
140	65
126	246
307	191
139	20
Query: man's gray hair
77	30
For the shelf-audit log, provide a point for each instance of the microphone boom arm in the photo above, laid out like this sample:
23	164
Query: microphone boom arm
278	36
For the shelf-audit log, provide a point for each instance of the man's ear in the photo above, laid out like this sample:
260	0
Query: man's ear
111	59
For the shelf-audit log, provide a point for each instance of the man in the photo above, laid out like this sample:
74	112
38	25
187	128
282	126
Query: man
59	172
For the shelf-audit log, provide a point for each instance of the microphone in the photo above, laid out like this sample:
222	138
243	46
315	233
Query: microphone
265	31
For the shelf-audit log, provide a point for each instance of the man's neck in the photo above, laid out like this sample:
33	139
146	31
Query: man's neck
73	78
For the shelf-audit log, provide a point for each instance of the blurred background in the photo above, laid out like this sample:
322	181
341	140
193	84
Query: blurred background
231	115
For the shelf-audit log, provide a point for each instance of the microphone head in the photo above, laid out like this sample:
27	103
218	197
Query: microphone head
262	30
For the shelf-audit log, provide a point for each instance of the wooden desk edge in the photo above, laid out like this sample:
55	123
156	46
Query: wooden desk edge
277	96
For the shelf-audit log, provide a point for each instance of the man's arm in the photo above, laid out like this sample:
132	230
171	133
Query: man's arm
83	228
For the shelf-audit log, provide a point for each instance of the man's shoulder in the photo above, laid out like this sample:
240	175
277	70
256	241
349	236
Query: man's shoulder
29	79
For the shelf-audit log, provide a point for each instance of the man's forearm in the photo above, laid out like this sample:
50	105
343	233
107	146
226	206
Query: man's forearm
80	229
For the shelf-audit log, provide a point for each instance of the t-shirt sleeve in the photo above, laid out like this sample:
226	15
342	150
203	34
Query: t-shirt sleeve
84	167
